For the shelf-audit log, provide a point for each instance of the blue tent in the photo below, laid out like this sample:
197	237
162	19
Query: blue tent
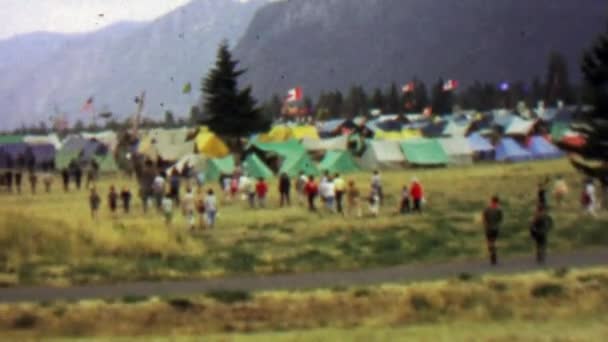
542	149
479	143
43	154
509	150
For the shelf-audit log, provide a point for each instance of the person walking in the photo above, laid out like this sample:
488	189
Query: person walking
300	184
65	176
541	195
404	206
588	198
47	180
374	201
174	185
200	207
354	203
340	188
113	200
284	190
560	190
329	194
249	190
167	208
376	183
211	208
94	203
189	208
492	219
78	175
261	190
311	189
18	180
9	180
417	195
125	196
542	223
33	178
158	188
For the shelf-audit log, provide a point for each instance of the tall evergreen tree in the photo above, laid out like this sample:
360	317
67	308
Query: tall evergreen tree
592	157
558	81
169	119
356	102
443	101
377	100
273	108
231	113
421	96
537	93
393	100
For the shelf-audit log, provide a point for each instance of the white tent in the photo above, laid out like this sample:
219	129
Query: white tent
520	127
107	138
458	149
51	139
382	154
195	161
339	143
456	128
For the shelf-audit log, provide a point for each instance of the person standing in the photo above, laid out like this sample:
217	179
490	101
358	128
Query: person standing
125	196
404	206
94	203
353	195
417	195
189	207
541	195
78	175
158	187
174	185
211	208
261	189
311	189
588	198
329	194
18	179
113	200
200	207
374	201
167	208
249	189
284	190
376	183
340	188
33	178
47	179
90	177
300	184
542	223
560	190
9	180
65	176
492	219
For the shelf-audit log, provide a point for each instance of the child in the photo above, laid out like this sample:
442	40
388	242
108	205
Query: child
261	189
94	202
374	201
211	208
188	206
113	200
353	199
125	195
405	201
167	208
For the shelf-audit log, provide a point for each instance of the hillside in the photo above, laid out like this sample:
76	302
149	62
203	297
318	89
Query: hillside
329	44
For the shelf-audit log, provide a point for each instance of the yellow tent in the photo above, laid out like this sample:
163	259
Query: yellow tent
398	136
308	132
409	133
210	145
277	134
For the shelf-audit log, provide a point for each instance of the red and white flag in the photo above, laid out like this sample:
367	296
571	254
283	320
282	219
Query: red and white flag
450	85
294	95
409	88
88	105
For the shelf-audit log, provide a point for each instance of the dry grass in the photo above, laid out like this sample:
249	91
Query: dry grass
490	306
50	238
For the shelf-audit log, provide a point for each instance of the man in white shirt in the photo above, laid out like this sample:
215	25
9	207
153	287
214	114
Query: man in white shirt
158	187
591	201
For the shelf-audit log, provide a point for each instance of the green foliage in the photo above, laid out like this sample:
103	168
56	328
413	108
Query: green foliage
558	81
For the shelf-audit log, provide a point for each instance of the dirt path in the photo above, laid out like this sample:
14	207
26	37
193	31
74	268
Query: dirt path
416	272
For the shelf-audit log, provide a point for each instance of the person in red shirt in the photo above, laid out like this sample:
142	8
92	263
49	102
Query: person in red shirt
417	194
261	190
311	189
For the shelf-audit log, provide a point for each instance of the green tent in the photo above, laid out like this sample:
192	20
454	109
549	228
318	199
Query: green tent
218	167
106	163
558	130
425	152
338	161
10	139
64	157
284	149
294	164
255	167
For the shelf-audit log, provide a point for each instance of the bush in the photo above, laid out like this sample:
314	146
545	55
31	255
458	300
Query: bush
420	302
181	304
229	297
25	321
464	276
362	293
561	272
547	290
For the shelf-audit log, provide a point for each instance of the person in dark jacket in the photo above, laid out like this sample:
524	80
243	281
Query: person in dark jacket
542	223
18	179
492	219
78	175
113	200
284	189
174	185
65	176
125	196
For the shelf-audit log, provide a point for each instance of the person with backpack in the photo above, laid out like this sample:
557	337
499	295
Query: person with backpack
284	190
542	223
312	190
492	219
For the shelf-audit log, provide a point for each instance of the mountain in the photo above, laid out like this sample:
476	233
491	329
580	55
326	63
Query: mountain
114	65
333	44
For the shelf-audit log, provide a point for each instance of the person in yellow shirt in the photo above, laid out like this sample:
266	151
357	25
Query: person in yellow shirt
340	187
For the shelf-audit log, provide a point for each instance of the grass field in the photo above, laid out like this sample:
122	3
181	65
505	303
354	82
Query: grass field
556	305
51	239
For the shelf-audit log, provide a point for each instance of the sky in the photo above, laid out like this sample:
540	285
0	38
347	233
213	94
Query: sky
23	16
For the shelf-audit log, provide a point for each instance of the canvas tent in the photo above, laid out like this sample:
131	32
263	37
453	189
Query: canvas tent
218	167
63	158
542	149
74	143
196	162
108	138
277	133
166	144
509	150
106	163
10	139
520	126
480	144
51	139
458	150
404	134
308	132
211	145
339	143
338	161
255	167
424	152
382	154
294	164
44	155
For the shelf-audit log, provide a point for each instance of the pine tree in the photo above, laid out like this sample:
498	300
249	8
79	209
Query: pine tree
558	81
274	107
231	113
169	119
443	101
377	100
421	96
592	157
393	100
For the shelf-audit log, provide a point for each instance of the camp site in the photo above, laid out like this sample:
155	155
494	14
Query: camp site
303	170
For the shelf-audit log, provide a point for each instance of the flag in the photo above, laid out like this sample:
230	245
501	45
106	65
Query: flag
187	88
450	85
408	88
88	105
294	95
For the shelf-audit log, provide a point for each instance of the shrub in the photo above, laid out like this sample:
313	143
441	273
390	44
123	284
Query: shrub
420	303
229	296
464	276
362	293
181	304
561	272
545	290
25	321
240	261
